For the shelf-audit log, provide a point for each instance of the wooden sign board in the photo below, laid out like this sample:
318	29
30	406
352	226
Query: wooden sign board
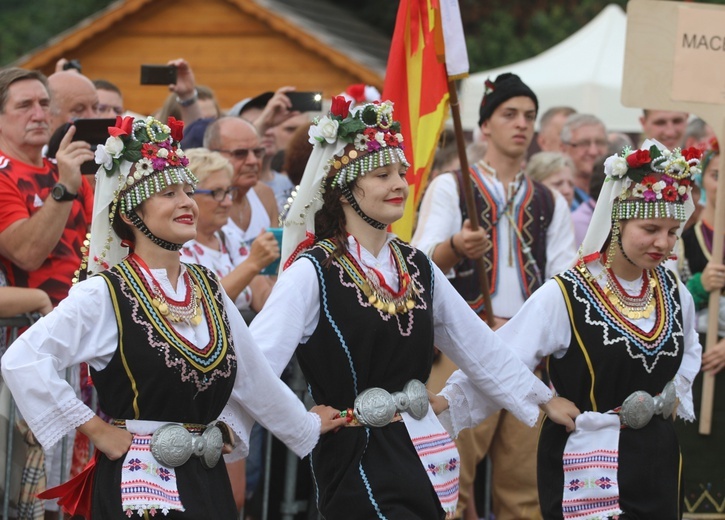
675	60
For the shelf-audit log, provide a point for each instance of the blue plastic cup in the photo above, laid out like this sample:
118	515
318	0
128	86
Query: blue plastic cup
273	268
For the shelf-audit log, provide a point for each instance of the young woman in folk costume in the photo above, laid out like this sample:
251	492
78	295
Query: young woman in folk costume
362	311
618	332
704	471
169	353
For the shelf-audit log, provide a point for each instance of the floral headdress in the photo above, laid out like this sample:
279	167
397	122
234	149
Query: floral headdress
348	143
140	158
370	128
651	182
655	181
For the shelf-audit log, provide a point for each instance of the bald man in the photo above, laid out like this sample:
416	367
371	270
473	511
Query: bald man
72	96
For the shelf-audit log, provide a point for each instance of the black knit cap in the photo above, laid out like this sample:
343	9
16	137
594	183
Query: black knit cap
505	87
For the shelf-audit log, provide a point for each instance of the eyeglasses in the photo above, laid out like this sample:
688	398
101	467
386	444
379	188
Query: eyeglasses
588	143
102	109
241	154
219	194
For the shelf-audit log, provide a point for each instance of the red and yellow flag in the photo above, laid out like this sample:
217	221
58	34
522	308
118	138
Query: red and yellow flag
417	82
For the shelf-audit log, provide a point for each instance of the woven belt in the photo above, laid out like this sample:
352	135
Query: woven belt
638	409
377	407
174	444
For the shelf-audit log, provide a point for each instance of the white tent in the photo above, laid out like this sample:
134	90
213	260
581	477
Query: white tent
584	72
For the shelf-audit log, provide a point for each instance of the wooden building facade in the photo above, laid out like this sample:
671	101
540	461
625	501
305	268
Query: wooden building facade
239	48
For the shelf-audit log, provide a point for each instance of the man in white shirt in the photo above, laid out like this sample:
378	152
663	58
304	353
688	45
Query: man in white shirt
525	237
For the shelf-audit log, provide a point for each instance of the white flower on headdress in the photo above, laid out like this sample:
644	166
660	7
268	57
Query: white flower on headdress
361	142
103	158
658	186
638	190
145	166
380	138
162	152
114	147
399	137
324	130
615	166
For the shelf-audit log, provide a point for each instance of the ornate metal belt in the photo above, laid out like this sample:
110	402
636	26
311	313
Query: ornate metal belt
377	407
638	409
172	445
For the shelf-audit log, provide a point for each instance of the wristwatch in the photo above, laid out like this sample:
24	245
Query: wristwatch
60	193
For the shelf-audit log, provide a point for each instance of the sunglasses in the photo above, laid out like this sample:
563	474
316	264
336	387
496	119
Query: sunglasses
219	194
241	154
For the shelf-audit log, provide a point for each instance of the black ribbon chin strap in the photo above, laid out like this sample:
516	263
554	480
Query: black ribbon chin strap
351	199
621	248
138	223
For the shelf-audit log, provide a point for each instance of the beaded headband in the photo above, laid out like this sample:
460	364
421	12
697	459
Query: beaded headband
374	139
655	182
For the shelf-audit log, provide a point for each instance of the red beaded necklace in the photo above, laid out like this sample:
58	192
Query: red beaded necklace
186	310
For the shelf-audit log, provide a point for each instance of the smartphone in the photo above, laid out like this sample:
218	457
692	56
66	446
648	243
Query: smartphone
305	101
94	132
273	268
158	74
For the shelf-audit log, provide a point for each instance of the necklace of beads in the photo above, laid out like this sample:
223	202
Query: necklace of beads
631	306
379	294
188	310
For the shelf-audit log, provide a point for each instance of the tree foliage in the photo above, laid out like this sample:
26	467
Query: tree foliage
26	25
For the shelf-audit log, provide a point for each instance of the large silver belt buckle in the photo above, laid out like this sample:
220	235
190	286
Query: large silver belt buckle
377	407
639	408
172	445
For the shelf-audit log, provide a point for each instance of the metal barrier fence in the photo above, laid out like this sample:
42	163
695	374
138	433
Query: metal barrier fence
11	327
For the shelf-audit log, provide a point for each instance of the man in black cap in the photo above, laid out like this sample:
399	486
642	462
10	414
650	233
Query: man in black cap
525	237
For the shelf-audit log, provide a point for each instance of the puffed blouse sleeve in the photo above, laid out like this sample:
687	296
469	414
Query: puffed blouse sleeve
259	395
692	358
81	329
491	376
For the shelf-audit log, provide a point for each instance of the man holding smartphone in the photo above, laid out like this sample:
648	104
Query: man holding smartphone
45	210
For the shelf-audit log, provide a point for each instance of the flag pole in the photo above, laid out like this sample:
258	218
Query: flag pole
468	193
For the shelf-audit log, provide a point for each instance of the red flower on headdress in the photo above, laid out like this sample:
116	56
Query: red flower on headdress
148	150
649	180
713	145
177	128
124	126
356	92
390	139
669	193
691	153
488	86
340	107
638	158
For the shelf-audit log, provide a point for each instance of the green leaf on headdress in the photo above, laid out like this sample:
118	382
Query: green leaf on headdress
395	127
654	152
133	155
350	129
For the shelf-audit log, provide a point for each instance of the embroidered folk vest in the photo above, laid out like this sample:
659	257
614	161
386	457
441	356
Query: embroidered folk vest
532	214
155	373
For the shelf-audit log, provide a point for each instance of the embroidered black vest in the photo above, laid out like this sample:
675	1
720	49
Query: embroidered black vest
532	214
356	346
615	357
155	373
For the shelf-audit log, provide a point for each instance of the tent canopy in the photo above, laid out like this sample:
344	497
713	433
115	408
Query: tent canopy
584	72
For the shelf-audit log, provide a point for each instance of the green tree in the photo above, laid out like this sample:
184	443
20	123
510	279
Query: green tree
26	25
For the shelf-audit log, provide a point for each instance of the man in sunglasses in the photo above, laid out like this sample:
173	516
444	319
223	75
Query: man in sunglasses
254	208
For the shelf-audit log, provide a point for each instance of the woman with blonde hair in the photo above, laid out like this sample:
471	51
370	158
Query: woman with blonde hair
213	195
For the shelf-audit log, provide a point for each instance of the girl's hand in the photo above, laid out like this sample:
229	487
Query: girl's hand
112	441
329	416
561	411
437	402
